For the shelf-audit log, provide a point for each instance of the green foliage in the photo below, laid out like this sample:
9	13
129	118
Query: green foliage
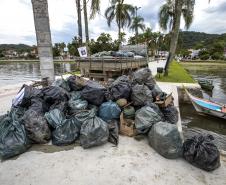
217	56
176	74
137	23
58	48
121	12
204	55
168	13
73	47
16	47
196	40
103	43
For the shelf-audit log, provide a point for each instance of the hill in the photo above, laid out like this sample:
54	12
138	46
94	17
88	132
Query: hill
16	47
191	39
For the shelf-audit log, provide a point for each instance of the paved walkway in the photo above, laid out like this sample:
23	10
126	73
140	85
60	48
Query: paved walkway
155	64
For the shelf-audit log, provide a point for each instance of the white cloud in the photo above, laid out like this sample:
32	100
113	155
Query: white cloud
17	26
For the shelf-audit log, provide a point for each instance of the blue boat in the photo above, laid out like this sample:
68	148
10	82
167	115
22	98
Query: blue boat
207	107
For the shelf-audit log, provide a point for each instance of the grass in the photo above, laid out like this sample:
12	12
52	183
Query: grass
176	74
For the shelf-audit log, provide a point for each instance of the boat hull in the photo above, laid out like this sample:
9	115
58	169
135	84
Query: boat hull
204	110
206	107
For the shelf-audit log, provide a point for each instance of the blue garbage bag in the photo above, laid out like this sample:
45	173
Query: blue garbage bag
109	111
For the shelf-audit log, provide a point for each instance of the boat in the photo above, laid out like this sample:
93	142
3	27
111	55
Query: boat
207	106
206	84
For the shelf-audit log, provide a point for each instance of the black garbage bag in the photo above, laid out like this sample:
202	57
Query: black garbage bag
60	105
36	127
65	130
53	94
113	132
76	83
165	139
170	113
94	132
39	105
142	76
109	111
62	83
121	88
121	79
141	95
24	96
201	152
83	115
150	83
13	138
94	93
145	118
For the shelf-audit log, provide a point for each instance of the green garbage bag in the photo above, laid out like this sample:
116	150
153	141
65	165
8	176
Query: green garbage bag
13	138
145	118
93	132
65	130
165	139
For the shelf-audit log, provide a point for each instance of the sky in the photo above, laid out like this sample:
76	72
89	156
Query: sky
17	24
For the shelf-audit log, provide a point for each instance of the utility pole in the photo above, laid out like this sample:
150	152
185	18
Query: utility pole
43	36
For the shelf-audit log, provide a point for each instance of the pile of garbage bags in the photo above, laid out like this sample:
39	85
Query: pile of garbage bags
120	53
90	113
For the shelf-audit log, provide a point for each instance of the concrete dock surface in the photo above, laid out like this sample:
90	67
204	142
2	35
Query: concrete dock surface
131	162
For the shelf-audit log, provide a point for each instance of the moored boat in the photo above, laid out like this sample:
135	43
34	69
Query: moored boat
207	107
206	84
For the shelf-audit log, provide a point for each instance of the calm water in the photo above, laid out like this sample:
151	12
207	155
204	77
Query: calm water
188	113
15	72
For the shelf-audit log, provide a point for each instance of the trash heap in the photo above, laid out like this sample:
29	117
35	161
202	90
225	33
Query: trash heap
88	112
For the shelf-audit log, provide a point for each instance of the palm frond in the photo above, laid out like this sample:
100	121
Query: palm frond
95	8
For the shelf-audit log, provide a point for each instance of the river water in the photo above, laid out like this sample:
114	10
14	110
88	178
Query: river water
217	73
15	72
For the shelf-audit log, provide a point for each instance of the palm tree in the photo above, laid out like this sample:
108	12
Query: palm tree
170	16
95	8
121	12
78	5
137	23
43	36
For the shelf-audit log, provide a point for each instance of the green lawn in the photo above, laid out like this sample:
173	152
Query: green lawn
176	74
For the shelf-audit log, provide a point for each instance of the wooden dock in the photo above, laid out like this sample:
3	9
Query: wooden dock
104	68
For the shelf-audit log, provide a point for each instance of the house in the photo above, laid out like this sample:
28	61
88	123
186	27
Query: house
194	53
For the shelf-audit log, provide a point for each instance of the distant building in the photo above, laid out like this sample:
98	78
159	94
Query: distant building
194	53
225	52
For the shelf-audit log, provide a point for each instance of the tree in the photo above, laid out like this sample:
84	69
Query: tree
121	12
73	46
56	50
103	43
170	16
43	36
78	5
137	23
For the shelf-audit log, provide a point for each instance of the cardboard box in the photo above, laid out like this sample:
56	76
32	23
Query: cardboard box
127	127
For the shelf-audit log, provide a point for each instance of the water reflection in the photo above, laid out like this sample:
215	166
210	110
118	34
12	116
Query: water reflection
12	73
218	76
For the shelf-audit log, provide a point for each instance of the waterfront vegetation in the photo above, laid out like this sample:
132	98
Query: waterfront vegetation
176	74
